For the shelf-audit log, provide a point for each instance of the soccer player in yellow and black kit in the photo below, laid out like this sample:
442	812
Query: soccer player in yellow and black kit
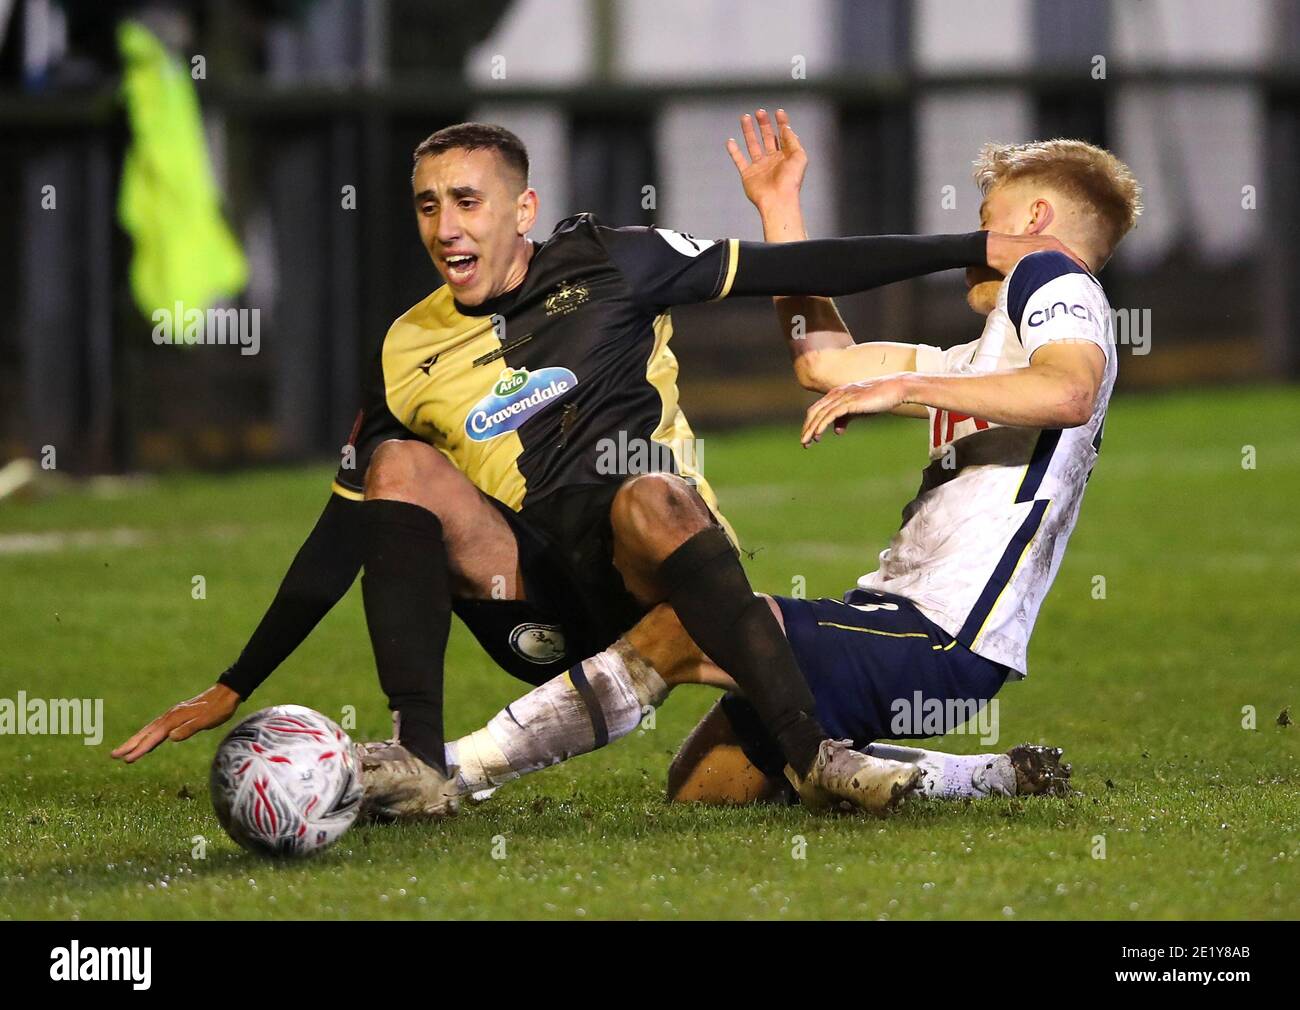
473	481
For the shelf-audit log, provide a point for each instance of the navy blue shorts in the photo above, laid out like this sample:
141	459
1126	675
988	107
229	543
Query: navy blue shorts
878	669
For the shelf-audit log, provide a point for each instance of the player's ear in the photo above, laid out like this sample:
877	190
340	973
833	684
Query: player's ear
1041	214
526	211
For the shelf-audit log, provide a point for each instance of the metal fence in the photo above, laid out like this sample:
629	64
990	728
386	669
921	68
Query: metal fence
78	367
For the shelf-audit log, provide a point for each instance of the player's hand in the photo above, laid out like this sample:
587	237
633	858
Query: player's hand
774	168
1005	251
843	403
180	722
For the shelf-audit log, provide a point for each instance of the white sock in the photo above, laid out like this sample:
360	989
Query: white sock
953	776
553	723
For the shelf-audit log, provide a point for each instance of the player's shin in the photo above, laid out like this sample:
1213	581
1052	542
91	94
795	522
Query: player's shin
407	600
710	592
598	701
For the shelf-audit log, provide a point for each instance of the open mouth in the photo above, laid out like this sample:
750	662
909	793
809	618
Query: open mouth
461	268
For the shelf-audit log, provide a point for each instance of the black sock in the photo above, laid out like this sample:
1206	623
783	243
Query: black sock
708	588
407	598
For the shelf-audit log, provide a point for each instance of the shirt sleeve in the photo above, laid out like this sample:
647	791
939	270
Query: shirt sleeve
843	266
321	572
1050	298
375	424
937	361
666	268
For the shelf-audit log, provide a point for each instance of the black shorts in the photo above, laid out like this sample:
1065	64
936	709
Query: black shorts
878	669
576	604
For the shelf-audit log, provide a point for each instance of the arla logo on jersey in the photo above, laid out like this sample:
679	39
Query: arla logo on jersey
510	382
517	395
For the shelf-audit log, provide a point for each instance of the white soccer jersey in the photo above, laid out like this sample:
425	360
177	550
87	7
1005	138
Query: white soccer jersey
983	539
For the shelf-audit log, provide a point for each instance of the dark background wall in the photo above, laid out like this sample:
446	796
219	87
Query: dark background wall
303	99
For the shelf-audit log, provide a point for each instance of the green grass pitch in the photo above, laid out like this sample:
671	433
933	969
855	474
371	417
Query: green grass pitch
1145	688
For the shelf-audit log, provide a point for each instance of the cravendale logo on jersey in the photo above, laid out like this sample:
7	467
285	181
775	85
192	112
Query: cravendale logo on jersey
517	396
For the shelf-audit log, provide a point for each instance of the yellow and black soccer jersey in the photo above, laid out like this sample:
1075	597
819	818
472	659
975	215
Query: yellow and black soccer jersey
565	382
542	387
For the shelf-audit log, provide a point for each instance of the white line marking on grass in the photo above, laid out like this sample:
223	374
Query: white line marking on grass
58	541
71	540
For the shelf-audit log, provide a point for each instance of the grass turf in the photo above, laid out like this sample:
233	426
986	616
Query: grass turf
1199	817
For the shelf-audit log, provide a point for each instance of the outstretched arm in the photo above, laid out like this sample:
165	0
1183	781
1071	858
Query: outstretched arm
831	267
663	268
319	576
843	266
1057	390
1067	356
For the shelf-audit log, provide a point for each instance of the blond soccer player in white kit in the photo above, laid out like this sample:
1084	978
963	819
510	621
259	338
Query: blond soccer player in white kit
1014	425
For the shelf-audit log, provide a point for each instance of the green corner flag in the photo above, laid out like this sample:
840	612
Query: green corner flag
168	203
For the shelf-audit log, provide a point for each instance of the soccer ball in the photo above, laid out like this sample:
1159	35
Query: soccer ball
285	782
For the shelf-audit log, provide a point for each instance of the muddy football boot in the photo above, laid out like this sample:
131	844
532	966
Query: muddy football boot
400	787
843	777
1039	770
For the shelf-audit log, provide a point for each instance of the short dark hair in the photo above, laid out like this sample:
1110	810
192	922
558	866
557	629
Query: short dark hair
477	137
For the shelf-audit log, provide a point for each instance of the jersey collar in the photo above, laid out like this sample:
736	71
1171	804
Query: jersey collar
502	303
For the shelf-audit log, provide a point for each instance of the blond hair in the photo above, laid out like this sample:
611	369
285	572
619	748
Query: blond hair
1102	185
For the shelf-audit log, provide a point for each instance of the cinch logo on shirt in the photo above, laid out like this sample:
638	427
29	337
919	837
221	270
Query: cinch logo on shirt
517	396
1040	316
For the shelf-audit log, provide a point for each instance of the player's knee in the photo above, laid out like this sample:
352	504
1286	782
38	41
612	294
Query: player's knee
652	504
407	471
